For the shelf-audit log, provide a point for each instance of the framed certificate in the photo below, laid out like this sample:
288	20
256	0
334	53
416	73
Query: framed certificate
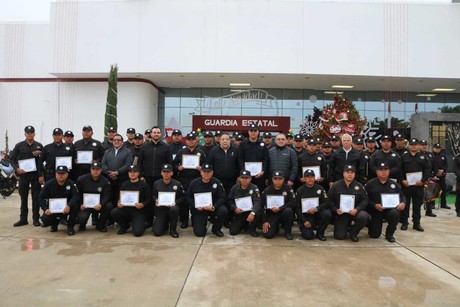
202	199
190	161
253	167
308	203
244	203
28	165
390	200
412	178
167	199
66	161
347	202
90	200
129	198
84	157
315	169
275	201
57	205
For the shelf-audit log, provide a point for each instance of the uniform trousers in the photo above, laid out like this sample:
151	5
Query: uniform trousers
376	223
285	217
150	211
443	185
164	215
130	215
415	194
344	222
24	181
55	218
239	223
200	220
103	214
319	221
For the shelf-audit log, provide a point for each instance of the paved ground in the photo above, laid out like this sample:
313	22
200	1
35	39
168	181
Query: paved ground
93	269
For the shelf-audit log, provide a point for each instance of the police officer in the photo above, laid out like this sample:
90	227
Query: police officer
313	208
365	157
108	143
349	201
275	211
335	142
423	146
415	165
386	201
68	138
238	140
358	145
147	135
345	155
68	141
29	151
94	184
213	208
267	139
50	153
312	159
138	142
217	137
59	187
289	140
400	145
135	215
130	133
440	170
167	212
385	155
244	202
176	143
87	143
457	174
298	145
208	145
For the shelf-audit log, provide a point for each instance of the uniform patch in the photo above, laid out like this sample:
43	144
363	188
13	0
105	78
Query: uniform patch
94	144
392	186
319	192
367	157
422	157
67	148
198	154
175	187
393	155
284	193
319	158
99	189
250	192
68	187
442	158
262	144
356	188
214	186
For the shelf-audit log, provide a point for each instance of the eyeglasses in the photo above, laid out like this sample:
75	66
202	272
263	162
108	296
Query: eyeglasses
116	140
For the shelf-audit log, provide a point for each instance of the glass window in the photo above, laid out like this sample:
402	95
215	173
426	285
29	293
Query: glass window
172	118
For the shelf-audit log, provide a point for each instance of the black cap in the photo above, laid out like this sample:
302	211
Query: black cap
267	135
383	165
278	174
385	137
194	133
190	136
133	168
96	165
166	168
58	131
359	141
370	139
68	133
298	137
307	136
253	127
130	130
138	136
147	131
245	173
177	131
218	133
334	138
423	142
413	141
326	144
87	127
309	172
206	167
239	137
289	136
349	168
29	129
437	145
399	136
61	169
112	129
311	142
318	141
208	134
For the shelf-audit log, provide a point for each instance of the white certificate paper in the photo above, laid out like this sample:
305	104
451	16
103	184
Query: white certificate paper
28	165
190	161
167	199
129	198
57	205
90	200
308	203
84	157
347	203
275	201
315	169
390	200
203	199
412	178
65	161
253	167
244	203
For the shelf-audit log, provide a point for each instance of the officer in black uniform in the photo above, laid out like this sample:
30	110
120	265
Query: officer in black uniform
365	157
377	189
385	155
167	212
138	142
244	217
423	146
298	145
68	141
130	133
27	149
208	142
176	143
59	187
335	142
216	210
87	143
147	135
136	215
417	166
108	143
313	208
457	174
399	145
276	213
358	145
217	137
94	183
440	170
340	194
312	159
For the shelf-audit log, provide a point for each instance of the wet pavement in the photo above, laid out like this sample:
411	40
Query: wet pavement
105	269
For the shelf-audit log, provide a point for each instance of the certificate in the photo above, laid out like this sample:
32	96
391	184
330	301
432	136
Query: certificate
412	178
347	203
390	200
315	169
308	203
28	165
253	167
275	201
244	203
57	205
65	161
90	200
84	157
167	199
202	199
190	161
129	198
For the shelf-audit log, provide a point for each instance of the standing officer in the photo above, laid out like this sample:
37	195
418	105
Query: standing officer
60	187
216	210
365	158
87	143
135	215
349	193
68	138
276	213
147	135
399	145
68	141
176	143
358	144
49	154
423	146
28	154
385	155
345	155
416	165
313	208
298	145
94	183
244	217
167	212
312	159
376	189
107	144
138	142
208	145
335	142
217	137
267	139
457	174
130	133
440	171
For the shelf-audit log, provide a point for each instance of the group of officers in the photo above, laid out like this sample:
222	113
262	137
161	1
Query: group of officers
242	184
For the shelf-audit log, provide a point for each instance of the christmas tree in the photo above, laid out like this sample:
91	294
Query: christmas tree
112	99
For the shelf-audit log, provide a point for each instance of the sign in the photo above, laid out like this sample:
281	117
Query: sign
241	123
